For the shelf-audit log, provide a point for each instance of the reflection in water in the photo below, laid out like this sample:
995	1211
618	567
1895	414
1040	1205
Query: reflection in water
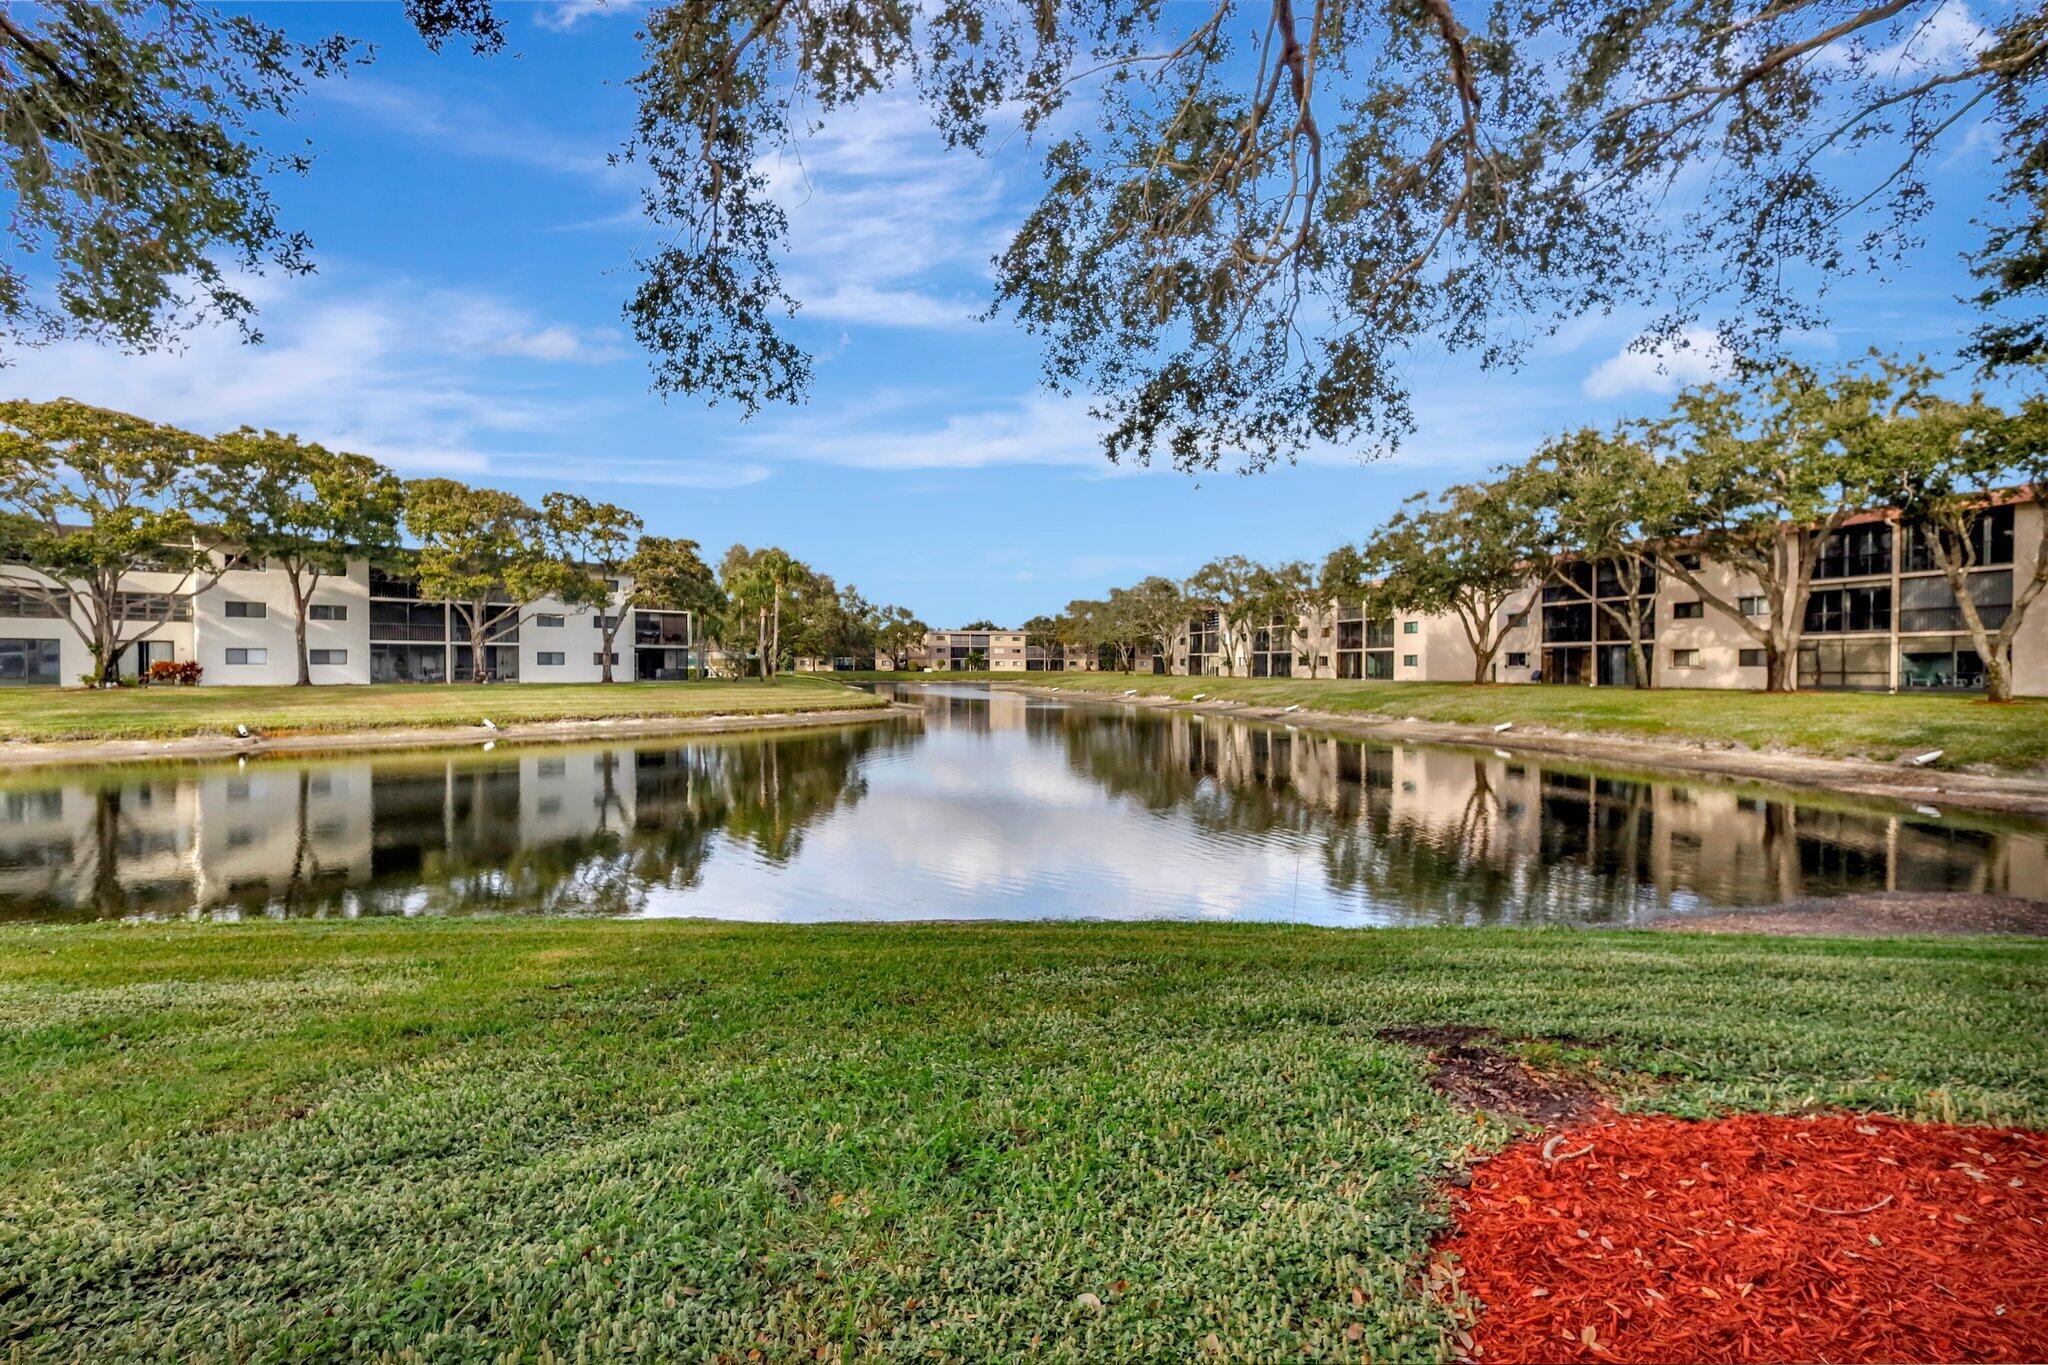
999	806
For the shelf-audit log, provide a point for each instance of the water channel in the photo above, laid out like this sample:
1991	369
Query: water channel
994	806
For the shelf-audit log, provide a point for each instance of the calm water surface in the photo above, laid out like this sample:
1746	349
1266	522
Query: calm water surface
995	807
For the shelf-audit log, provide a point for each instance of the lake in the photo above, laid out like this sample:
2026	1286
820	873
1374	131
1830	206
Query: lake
994	806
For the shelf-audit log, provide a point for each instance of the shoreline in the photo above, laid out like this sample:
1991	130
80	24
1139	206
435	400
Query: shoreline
2009	794
90	752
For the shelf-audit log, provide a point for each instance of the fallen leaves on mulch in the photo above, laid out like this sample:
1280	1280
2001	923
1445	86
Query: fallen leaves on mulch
1757	1238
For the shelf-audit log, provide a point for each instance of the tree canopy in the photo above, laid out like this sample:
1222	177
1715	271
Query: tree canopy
1253	211
89	496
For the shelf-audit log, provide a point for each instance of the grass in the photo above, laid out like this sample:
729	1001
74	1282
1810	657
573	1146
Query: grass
1970	731
697	1141
49	714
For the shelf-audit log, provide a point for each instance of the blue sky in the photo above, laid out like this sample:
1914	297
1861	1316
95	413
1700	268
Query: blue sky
474	250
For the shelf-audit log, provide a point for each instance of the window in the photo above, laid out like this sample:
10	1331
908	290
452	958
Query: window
1837	610
385	583
1518	660
408	621
252	610
248	656
551	658
35	662
1685	658
1518	619
1411	627
1990	542
1689	562
318	612
1928	604
1855	551
395	663
1688	611
1751	658
327	656
604	622
548	620
599	657
1410	660
1852	665
152	606
1753	605
15	602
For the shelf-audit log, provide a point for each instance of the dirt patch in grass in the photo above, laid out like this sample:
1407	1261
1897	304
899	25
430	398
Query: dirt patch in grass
1473	1072
1881	914
1755	1238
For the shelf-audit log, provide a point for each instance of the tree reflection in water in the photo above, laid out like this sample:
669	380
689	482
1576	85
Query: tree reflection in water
571	831
1456	836
998	806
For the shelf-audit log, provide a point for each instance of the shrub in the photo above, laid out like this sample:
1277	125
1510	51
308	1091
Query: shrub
180	673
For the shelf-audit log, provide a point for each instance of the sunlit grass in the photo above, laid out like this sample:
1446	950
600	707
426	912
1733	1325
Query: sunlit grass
167	712
691	1141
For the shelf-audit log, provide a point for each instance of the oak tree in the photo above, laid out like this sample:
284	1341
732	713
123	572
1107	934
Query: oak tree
303	509
89	496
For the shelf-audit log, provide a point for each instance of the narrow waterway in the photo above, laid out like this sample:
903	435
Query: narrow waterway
997	806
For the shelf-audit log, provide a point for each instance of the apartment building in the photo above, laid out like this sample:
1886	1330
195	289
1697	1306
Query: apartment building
999	651
1881	617
368	625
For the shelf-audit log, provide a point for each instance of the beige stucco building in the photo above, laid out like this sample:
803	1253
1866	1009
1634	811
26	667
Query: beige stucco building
1880	617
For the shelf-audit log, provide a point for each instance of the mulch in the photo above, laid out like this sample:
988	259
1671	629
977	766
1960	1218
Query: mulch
1756	1238
1472	1071
1874	914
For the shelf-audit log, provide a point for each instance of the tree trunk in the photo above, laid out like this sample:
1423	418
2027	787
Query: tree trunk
1997	677
604	662
1783	668
299	639
761	642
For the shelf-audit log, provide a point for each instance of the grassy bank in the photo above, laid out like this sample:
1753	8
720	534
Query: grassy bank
1831	724
693	1141
49	714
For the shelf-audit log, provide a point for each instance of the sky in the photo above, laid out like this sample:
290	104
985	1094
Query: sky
474	252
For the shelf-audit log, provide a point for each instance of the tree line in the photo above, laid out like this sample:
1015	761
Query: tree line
90	496
1754	474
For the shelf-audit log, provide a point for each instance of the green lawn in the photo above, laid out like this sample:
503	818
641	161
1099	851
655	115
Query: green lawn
1833	724
688	1141
166	712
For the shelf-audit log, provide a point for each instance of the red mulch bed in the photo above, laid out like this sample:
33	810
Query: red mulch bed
1759	1239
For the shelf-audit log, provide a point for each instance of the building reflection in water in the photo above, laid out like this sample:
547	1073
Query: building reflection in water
998	806
1477	837
554	831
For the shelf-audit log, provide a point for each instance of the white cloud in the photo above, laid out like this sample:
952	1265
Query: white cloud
1694	357
887	225
473	129
421	379
1037	429
1937	40
869	306
564	15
